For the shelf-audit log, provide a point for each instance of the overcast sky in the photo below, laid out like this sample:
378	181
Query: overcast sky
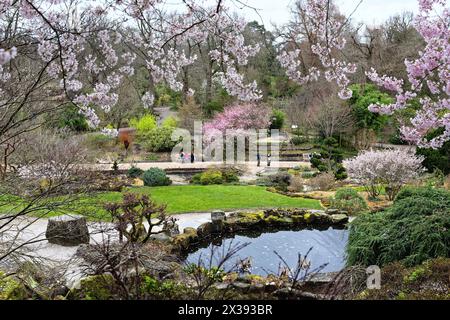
370	11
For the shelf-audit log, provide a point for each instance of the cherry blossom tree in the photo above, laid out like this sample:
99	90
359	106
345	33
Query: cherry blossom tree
429	79
390	168
55	53
240	116
314	44
59	52
220	45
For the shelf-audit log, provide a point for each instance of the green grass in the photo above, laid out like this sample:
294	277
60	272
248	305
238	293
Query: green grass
205	198
185	199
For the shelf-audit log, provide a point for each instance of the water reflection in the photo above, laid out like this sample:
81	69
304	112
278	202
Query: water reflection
328	247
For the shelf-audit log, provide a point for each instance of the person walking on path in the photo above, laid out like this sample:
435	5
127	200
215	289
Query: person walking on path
192	157
182	156
268	159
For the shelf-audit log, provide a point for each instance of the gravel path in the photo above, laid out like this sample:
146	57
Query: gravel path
66	256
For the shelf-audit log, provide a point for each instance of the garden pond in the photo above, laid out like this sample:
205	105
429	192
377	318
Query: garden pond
328	247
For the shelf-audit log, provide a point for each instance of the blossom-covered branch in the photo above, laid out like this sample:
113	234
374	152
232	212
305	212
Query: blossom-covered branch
429	79
317	35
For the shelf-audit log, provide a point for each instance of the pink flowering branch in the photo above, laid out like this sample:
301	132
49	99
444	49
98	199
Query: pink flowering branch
321	30
241	116
429	78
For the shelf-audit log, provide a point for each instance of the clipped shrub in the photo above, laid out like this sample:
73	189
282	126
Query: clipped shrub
296	141
415	229
154	177
297	170
159	140
134	172
348	199
429	193
330	158
216	176
302	168
211	177
340	173
230	175
196	178
307	175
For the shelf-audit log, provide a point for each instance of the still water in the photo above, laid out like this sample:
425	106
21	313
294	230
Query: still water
328	248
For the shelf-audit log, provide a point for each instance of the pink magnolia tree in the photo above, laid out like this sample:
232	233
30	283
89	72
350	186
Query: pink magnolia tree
237	117
314	46
390	169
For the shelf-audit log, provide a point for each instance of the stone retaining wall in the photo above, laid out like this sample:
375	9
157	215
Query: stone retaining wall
273	219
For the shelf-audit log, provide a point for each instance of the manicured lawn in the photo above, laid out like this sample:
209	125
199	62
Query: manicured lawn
205	198
184	199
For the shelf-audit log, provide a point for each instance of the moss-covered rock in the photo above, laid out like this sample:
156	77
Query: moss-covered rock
339	218
190	230
318	219
241	221
184	240
94	288
278	221
283	218
298	219
205	230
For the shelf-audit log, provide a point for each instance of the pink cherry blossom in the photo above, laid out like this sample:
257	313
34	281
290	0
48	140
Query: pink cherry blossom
328	40
240	116
430	69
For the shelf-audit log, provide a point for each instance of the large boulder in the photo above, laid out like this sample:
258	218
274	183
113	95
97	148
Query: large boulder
332	211
184	240
67	230
218	216
339	218
206	229
217	221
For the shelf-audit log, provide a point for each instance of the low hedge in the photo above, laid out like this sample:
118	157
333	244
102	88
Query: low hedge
155	177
